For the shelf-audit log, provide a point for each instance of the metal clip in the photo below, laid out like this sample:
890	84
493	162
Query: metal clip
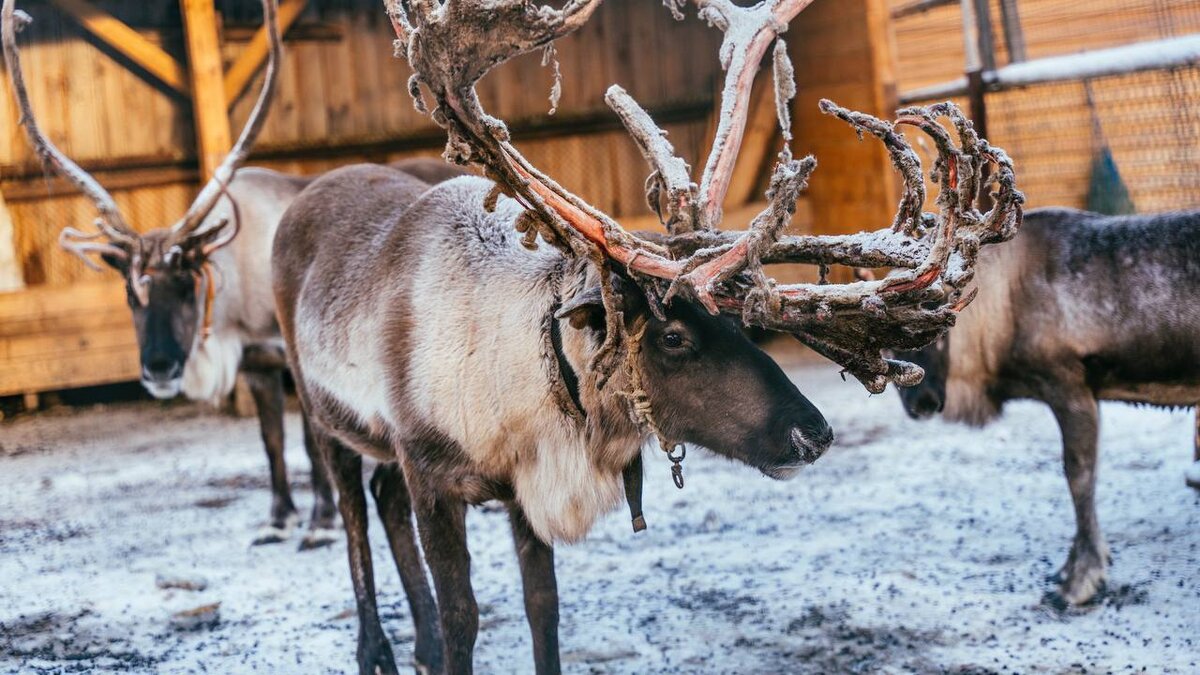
677	474
676	462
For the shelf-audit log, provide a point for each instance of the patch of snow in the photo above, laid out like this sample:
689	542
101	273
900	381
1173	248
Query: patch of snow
909	547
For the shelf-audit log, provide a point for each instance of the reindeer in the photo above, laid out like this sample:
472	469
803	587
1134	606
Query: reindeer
1080	308
199	291
501	339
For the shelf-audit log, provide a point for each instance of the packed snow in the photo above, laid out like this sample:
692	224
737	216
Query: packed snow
909	548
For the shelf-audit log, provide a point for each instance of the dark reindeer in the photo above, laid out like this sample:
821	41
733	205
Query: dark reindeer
1080	308
505	340
199	291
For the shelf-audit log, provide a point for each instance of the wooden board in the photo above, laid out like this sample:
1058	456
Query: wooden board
853	187
67	337
128	42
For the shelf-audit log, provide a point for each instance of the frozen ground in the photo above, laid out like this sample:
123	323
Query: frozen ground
910	547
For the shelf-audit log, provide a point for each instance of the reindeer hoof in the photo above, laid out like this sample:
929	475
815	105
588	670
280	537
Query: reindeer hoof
1192	476
1083	588
271	535
1062	602
319	538
276	533
1055	601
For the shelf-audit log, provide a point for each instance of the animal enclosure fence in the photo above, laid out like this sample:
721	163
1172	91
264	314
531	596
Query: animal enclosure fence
1085	134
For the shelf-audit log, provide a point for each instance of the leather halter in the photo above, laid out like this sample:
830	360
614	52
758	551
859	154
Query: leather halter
632	473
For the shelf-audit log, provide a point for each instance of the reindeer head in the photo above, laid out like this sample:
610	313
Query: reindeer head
451	44
705	383
924	400
165	270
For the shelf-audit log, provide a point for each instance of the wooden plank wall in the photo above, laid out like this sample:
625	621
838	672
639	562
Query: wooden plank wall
65	337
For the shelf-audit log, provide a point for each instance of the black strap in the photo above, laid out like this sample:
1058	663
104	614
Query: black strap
570	379
631	473
633	491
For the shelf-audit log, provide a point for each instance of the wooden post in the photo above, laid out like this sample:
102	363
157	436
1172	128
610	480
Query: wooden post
213	138
980	48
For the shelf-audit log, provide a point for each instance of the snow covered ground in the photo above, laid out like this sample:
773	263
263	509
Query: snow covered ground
910	547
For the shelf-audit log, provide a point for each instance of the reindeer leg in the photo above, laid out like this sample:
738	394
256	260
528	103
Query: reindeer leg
1083	576
395	510
267	389
345	469
442	524
541	591
1193	473
322	528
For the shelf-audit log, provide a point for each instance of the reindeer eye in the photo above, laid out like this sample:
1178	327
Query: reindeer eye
672	340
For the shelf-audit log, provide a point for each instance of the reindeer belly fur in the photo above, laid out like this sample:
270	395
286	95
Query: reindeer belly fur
340	358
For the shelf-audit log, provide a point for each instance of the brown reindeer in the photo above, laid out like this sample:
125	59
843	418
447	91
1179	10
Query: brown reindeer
199	291
505	340
1080	308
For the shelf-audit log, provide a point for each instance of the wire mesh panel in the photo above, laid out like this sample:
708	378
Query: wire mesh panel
1073	141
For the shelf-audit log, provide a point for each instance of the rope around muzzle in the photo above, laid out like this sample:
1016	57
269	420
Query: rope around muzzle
642	411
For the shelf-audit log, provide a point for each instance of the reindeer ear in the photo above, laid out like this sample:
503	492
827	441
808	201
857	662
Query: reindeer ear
585	310
197	247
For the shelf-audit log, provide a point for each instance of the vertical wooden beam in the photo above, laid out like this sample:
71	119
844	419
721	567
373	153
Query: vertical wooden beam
210	112
213	138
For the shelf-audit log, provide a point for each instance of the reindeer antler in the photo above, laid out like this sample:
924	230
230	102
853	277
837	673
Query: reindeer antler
451	44
125	242
110	223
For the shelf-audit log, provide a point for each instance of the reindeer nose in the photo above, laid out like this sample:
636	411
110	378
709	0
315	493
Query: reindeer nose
162	368
811	442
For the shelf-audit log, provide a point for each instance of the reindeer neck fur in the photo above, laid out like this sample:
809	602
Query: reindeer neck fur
479	370
982	337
